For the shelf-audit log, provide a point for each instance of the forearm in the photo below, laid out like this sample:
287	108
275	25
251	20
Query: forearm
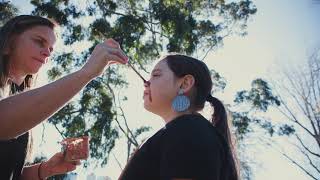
30	172
22	112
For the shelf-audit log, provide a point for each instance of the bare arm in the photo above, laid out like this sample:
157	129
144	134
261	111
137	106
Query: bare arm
55	165
30	172
24	111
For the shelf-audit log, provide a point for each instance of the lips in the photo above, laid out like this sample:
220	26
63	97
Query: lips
40	60
147	93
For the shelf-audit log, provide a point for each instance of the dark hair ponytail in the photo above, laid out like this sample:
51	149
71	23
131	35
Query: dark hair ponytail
182	65
219	117
220	121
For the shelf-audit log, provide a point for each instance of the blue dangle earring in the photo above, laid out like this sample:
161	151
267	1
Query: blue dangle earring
181	102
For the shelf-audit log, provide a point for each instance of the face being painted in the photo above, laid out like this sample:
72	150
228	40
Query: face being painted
161	89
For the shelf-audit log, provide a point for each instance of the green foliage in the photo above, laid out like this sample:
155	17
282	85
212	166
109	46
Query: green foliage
241	122
144	29
286	130
7	11
219	82
141	130
260	96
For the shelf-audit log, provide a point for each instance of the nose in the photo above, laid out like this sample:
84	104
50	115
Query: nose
147	84
45	52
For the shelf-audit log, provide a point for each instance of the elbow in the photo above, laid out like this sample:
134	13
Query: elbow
6	135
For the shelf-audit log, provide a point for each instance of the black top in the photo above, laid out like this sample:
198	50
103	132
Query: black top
187	147
13	152
12	157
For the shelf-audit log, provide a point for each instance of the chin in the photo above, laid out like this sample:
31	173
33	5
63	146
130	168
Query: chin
34	71
148	107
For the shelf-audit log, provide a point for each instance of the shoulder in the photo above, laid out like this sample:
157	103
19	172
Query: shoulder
191	148
4	92
193	131
187	121
192	126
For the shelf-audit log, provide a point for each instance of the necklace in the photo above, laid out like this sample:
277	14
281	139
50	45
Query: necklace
16	88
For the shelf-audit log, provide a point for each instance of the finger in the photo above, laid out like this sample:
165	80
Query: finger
112	43
60	154
70	167
112	62
115	59
77	163
118	53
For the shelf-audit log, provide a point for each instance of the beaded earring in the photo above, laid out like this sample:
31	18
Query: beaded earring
181	102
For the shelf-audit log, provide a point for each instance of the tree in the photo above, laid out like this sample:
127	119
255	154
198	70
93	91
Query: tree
297	97
144	30
7	11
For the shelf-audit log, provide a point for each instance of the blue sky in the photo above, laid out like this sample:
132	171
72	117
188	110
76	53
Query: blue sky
281	34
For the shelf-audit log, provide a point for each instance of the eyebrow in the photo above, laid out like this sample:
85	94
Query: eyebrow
155	70
44	39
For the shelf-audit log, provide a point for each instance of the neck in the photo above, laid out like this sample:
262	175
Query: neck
16	76
171	115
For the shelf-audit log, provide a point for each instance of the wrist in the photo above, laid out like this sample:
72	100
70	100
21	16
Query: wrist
43	171
85	74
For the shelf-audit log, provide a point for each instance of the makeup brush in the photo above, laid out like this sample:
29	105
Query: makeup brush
144	81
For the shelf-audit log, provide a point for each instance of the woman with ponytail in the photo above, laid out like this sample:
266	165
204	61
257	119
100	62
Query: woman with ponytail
189	146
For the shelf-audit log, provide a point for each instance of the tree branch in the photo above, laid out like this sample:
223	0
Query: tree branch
59	131
118	162
315	78
306	148
308	105
116	119
297	164
294	119
156	32
42	136
300	91
213	45
310	161
126	124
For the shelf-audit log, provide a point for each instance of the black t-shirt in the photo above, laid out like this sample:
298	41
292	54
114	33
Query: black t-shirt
187	147
13	152
12	157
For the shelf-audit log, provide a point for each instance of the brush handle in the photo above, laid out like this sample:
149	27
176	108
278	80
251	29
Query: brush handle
144	81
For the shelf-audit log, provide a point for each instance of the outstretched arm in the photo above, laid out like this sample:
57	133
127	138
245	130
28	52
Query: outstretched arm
24	111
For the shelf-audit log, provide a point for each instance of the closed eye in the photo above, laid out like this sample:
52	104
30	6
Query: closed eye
40	42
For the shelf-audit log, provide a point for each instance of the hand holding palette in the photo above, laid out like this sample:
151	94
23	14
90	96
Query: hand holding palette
75	148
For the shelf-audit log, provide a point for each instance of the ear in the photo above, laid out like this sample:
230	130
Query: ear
187	83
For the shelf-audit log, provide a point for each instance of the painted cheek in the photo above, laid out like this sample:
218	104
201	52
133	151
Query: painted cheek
150	92
150	97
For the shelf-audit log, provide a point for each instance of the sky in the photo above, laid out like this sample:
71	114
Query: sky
281	34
